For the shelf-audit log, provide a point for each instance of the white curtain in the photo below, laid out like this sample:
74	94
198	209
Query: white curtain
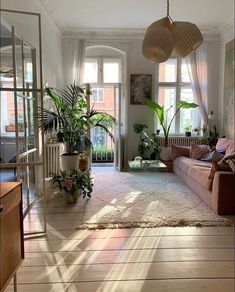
79	50
197	66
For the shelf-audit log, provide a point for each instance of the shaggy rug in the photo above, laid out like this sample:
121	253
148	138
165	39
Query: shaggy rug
144	199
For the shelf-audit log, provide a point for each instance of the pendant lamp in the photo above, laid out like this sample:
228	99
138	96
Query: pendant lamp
164	35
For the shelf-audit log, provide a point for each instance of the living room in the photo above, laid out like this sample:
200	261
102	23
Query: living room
141	229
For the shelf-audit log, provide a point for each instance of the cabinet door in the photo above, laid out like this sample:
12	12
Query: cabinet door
11	251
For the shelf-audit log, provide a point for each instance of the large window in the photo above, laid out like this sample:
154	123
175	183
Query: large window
101	70
173	85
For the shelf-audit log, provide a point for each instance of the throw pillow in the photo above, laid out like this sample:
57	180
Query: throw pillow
213	170
215	156
231	163
198	151
179	151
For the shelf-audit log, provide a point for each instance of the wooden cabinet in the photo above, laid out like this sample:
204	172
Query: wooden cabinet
11	231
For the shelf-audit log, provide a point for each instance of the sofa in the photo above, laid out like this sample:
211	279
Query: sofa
214	186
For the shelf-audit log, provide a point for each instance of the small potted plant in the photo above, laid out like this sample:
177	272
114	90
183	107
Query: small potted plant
72	183
188	130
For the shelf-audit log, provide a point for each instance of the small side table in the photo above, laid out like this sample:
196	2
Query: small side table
149	165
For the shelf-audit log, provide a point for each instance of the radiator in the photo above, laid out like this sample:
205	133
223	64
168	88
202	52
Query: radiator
53	152
181	141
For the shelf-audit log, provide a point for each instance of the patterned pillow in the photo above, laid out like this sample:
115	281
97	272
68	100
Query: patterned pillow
216	166
198	151
231	163
179	151
229	160
215	156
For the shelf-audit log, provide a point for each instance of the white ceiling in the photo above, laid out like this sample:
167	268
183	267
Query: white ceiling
137	14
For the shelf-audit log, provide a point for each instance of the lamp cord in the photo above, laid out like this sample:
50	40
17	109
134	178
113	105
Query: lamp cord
168	11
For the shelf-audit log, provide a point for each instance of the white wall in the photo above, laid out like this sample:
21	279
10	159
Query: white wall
51	39
137	64
227	34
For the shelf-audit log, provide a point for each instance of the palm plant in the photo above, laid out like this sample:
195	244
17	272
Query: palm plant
72	116
163	115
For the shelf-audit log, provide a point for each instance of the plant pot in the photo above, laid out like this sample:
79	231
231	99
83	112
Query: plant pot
71	198
60	137
165	154
69	161
83	164
188	134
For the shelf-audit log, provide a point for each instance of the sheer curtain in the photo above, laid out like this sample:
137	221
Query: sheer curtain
79	49
197	66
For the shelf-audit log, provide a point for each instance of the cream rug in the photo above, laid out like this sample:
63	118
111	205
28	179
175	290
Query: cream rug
144	199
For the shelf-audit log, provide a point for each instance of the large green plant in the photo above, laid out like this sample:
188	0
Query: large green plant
71	116
146	141
163	114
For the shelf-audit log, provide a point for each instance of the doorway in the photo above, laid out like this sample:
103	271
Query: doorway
103	73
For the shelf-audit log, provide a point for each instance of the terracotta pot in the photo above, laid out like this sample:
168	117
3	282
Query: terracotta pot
71	198
83	164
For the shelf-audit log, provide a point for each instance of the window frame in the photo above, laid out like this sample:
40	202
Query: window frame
178	85
99	90
100	73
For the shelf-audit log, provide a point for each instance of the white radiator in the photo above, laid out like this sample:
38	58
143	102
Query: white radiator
53	152
181	141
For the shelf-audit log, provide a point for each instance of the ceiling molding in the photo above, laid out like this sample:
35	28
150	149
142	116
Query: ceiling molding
49	11
227	29
209	34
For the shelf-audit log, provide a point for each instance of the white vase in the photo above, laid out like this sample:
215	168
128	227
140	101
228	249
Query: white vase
69	161
165	154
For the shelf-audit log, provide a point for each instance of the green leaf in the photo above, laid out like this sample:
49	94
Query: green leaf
187	105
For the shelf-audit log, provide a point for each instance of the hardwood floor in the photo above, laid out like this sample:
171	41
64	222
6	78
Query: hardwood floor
158	259
165	259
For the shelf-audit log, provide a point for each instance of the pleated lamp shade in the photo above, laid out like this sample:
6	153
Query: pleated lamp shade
187	37
158	42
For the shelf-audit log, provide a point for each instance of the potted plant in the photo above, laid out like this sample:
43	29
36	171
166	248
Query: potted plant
72	118
166	122
188	130
72	183
147	142
211	138
83	160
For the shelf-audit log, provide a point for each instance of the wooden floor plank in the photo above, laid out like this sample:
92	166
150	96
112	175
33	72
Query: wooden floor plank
126	256
129	271
130	243
201	285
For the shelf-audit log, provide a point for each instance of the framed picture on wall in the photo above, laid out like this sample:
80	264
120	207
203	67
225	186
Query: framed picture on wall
140	88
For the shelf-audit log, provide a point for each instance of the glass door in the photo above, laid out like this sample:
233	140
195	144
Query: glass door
21	154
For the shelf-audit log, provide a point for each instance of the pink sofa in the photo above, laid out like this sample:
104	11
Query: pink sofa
219	192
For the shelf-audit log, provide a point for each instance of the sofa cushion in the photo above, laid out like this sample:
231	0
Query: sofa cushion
197	169
179	151
231	163
225	144
198	151
213	155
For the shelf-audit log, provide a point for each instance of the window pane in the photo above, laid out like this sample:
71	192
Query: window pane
91	71
111	71
184	72
168	71
167	97
97	95
188	117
